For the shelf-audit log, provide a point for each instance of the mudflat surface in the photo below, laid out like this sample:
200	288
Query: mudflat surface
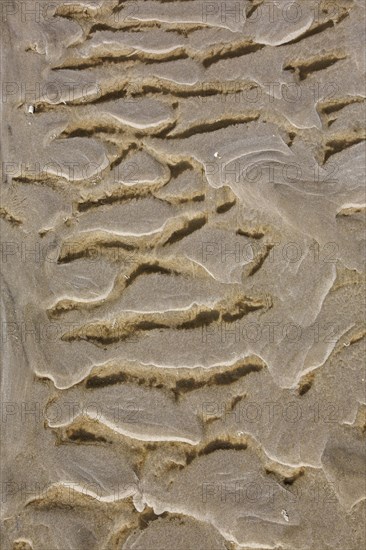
182	245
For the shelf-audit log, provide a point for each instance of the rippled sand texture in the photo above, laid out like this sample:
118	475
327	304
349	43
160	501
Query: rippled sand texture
182	229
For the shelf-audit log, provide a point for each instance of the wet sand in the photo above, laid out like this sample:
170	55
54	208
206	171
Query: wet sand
182	280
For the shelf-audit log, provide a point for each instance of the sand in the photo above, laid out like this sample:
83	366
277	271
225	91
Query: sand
182	278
